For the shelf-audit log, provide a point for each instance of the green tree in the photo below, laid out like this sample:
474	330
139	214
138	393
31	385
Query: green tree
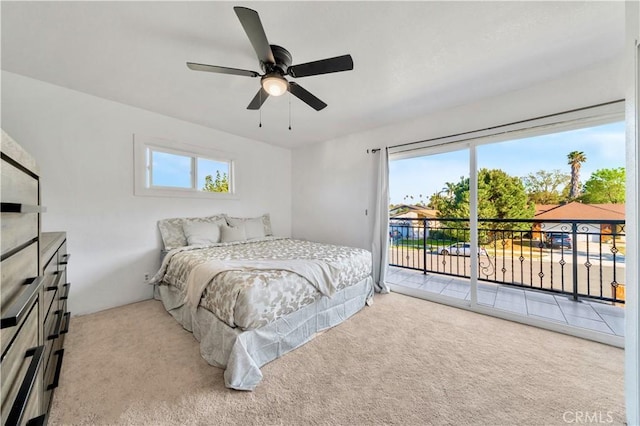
605	186
220	184
500	196
436	201
546	187
450	188
575	160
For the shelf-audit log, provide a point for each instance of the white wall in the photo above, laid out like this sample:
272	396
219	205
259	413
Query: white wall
333	182
84	147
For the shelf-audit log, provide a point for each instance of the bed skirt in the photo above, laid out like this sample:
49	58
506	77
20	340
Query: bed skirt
242	353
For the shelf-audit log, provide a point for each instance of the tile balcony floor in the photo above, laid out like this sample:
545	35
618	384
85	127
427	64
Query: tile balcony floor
591	315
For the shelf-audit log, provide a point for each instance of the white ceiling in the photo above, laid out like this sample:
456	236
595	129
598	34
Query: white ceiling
411	58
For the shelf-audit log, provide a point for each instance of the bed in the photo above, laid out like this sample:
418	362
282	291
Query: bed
250	297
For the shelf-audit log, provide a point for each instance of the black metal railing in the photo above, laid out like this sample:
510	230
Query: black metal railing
583	258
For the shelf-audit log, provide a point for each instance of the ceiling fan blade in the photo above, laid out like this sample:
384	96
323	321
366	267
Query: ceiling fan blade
323	66
221	70
252	25
258	99
306	97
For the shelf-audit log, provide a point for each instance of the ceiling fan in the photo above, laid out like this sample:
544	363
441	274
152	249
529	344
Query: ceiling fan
275	62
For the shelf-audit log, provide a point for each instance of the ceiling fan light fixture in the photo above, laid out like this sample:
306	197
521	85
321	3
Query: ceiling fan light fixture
274	84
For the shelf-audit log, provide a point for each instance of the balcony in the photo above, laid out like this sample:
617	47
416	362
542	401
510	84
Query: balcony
567	272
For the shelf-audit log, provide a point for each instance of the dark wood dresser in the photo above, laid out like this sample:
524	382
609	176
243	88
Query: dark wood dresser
54	259
33	293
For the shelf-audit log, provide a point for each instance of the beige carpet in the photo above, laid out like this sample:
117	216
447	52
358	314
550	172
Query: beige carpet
403	361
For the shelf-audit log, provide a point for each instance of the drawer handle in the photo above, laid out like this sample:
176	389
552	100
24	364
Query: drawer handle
20	208
37	421
67	320
56	376
58	325
65	259
20	403
65	295
20	306
58	275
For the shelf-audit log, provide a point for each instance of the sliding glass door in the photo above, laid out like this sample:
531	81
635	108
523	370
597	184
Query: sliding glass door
527	224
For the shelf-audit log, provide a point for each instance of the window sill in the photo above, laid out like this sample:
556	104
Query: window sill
178	193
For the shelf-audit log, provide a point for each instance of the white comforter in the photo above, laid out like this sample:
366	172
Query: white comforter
250	284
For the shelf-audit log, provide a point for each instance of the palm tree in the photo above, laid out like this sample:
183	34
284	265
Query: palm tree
449	189
576	158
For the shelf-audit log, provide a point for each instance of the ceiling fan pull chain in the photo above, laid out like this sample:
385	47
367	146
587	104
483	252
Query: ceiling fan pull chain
289	110
260	109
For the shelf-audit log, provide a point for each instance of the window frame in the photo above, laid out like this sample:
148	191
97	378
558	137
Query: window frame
144	146
588	116
556	123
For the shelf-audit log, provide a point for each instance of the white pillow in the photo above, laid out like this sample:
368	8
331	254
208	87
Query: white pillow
201	233
264	219
232	233
254	228
172	230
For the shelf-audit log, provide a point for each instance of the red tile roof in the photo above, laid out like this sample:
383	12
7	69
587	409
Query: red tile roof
541	208
576	210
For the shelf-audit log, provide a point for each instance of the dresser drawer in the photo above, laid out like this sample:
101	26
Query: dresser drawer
53	326
66	321
50	294
63	257
17	186
17	229
50	270
52	375
63	296
63	261
34	409
18	288
21	367
15	270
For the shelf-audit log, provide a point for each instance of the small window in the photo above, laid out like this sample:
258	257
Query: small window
169	168
213	176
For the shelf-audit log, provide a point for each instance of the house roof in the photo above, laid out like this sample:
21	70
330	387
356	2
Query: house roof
413	211
541	208
576	210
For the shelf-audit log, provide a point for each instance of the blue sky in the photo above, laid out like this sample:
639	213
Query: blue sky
602	145
175	170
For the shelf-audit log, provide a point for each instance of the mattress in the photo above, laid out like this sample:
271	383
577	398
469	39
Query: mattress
251	298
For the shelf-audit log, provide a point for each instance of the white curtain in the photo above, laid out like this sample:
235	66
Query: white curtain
380	232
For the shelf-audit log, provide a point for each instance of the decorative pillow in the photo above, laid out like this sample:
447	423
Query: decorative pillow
254	228
264	220
201	233
172	231
232	233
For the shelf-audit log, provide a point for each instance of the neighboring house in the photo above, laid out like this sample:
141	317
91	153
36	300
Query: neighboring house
579	211
412	211
411	228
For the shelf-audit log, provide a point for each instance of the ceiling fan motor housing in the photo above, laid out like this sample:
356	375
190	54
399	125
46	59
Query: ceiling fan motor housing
283	61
